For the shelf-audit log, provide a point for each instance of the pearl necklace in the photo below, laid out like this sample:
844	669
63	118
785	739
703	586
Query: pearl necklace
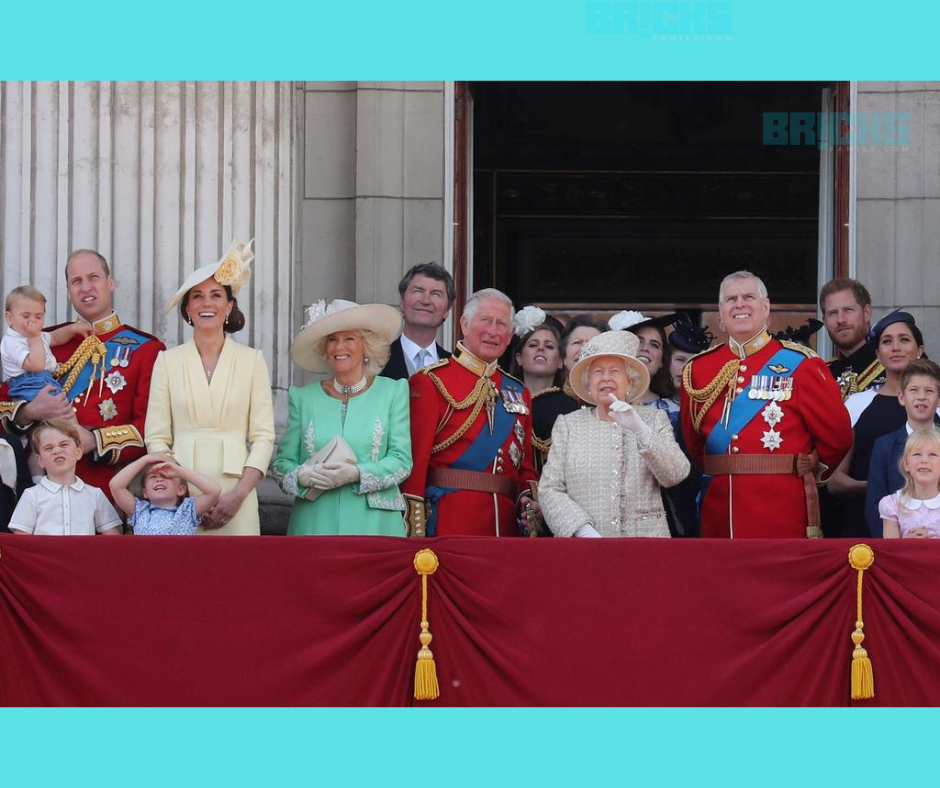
348	391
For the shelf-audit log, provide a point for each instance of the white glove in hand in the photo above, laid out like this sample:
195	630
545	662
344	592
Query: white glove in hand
310	473
626	416
588	531
337	474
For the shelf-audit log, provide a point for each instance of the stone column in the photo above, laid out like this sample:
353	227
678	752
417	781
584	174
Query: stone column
898	206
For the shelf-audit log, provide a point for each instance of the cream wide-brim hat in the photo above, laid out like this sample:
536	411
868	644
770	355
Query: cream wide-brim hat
231	269
616	344
324	319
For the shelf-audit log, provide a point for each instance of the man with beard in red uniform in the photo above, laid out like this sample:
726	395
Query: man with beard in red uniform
471	430
765	419
109	373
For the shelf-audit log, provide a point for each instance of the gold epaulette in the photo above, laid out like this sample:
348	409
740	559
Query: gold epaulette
511	377
544	392
112	440
435	365
704	353
808	352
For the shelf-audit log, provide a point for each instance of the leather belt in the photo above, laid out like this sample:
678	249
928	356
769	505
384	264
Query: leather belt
475	481
802	465
749	464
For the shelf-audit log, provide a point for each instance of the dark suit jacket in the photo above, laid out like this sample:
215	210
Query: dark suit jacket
8	497
396	367
884	476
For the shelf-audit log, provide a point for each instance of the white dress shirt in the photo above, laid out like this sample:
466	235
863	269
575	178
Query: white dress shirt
411	351
51	509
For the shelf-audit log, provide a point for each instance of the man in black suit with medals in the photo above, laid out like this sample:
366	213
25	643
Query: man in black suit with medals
427	292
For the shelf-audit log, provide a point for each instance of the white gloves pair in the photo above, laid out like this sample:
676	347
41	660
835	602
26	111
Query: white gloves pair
328	476
626	416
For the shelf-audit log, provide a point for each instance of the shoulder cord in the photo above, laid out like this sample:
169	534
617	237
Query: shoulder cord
707	396
88	349
484	391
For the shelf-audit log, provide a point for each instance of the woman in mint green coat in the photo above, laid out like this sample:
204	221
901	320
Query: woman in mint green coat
347	446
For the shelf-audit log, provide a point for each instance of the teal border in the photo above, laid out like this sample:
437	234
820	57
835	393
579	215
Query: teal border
444	39
430	40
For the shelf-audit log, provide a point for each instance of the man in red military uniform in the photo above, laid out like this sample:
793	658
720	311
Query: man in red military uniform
107	377
765	419
471	430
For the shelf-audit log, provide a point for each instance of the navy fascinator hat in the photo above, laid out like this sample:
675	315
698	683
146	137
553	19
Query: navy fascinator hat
688	337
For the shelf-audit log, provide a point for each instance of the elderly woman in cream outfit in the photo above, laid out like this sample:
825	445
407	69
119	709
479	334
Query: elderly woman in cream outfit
211	396
607	463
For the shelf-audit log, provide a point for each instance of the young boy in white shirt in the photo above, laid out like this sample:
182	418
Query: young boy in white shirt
61	504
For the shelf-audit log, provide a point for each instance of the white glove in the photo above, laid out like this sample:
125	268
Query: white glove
336	474
626	416
310	473
587	531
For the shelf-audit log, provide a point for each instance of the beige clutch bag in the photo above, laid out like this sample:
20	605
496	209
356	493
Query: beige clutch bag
336	450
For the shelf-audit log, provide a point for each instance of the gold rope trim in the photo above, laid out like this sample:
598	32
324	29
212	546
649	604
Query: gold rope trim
706	397
90	348
861	557
483	392
426	686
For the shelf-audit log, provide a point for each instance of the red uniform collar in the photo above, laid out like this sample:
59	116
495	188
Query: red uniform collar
749	348
476	365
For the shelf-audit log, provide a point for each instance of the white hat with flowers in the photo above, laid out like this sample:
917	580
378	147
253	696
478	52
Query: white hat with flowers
232	270
323	319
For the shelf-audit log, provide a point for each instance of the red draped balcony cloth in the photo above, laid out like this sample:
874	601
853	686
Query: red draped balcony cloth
314	621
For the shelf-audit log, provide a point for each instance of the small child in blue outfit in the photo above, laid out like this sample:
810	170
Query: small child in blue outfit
165	510
28	362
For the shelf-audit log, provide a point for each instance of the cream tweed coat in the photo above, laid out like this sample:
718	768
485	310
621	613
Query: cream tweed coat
597	474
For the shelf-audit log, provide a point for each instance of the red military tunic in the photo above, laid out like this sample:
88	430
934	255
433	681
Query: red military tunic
813	417
113	409
445	434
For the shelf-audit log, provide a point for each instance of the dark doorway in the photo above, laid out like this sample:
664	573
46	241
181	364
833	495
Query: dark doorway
600	195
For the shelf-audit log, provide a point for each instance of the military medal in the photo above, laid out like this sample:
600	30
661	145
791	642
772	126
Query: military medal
107	409
513	402
115	381
519	432
773	414
771	440
125	357
515	454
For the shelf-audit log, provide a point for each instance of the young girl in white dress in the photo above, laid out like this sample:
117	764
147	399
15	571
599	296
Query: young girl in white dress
914	511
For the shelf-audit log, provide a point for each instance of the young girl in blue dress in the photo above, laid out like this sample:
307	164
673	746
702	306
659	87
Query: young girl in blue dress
166	508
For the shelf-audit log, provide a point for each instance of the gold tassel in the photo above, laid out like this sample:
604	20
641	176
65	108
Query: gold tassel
426	687
861	557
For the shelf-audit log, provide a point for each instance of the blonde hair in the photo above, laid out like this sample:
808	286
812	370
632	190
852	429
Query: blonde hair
376	350
25	291
67	428
916	440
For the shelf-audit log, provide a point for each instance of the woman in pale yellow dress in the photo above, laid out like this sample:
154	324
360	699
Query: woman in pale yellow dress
210	398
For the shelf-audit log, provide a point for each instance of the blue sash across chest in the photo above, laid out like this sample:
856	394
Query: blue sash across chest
478	456
744	409
122	344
